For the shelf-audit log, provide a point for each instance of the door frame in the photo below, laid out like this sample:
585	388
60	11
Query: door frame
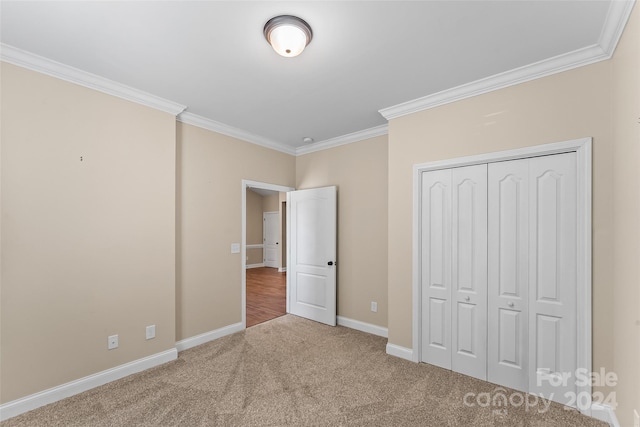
246	184
582	148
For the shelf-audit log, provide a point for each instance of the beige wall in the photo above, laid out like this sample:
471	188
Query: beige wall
569	105
254	218
254	256
87	246
626	217
254	227
210	170
270	203
359	170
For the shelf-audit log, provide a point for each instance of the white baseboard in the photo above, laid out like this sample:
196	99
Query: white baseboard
282	269
209	336
401	352
363	327
28	403
254	265
603	412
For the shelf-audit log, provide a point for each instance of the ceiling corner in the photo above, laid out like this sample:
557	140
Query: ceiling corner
221	128
344	139
617	17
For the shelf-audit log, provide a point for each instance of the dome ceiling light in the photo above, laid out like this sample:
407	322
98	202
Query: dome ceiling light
288	35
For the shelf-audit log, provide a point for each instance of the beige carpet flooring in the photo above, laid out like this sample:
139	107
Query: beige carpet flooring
294	372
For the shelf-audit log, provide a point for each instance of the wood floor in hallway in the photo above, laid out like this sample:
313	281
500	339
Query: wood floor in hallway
266	295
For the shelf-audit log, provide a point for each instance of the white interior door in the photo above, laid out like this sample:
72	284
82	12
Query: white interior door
270	238
311	275
508	257
436	267
552	277
469	271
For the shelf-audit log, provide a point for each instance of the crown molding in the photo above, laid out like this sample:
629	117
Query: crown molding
212	125
61	71
516	76
617	16
343	140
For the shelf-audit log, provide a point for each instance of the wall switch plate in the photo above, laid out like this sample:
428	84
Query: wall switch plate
636	418
374	306
151	332
235	248
112	342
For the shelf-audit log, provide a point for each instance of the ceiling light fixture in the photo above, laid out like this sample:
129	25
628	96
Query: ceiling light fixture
288	35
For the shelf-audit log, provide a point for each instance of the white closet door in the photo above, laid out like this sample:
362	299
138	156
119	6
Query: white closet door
552	276
469	271
436	267
508	259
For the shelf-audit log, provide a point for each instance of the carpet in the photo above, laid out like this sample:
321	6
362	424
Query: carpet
294	372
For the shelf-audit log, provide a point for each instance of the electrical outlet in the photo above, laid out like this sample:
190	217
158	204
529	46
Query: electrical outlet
374	306
636	418
151	332
112	342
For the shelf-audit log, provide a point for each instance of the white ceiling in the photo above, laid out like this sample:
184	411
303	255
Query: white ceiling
211	56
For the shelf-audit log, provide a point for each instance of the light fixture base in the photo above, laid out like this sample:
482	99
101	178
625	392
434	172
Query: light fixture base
288	34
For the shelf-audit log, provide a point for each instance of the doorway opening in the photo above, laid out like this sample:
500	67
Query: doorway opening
266	295
263	251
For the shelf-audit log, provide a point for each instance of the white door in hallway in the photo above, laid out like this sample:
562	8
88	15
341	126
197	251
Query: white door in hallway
270	238
311	275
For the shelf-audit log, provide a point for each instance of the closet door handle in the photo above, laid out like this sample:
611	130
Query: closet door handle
467	298
510	304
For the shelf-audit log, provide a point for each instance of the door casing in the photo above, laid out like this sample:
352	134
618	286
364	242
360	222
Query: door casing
243	243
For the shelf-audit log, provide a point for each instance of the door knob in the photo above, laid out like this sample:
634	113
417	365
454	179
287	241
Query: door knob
510	304
467	298
330	263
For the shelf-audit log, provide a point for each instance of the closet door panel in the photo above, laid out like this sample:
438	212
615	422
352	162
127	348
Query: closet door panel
508	260
435	249
552	276
469	271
